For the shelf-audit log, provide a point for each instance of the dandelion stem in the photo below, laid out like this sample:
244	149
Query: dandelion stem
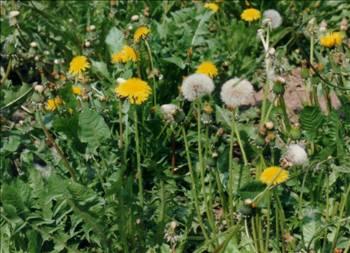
149	52
202	165
138	159
193	183
235	129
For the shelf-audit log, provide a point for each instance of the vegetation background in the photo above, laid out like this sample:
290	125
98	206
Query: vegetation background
95	173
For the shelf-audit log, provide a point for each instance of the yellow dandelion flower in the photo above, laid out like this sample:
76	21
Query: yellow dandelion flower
331	39
136	90
274	175
250	15
53	103
212	6
77	90
126	54
78	65
141	33
207	68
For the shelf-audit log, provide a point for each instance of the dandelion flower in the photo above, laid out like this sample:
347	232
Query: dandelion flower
274	17
207	68
141	33
53	103
212	6
196	85
169	111
250	15
77	90
78	65
236	92
296	155
136	90
274	175
331	39
126	54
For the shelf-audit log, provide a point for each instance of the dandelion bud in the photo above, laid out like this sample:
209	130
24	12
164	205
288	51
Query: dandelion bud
87	43
173	225
13	14
120	80
344	24
134	18
12	17
208	109
248	202
323	26
169	111
269	125
33	44
91	28
278	87
295	133
272	51
39	88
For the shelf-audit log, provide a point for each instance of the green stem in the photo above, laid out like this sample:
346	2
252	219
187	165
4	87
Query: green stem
193	184
138	159
235	129
342	207
230	178
149	52
202	166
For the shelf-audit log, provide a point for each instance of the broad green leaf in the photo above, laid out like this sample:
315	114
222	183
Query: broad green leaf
114	40
177	61
100	68
93	130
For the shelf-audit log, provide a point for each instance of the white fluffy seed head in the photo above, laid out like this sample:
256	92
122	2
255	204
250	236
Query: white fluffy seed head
196	86
296	155
168	111
274	17
236	92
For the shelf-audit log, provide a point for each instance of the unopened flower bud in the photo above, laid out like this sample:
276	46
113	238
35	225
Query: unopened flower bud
56	61
323	26
33	44
134	17
269	125
87	43
39	88
344	24
120	80
13	14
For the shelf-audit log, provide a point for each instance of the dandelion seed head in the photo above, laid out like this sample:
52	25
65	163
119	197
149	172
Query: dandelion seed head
296	155
196	86
274	17
236	92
